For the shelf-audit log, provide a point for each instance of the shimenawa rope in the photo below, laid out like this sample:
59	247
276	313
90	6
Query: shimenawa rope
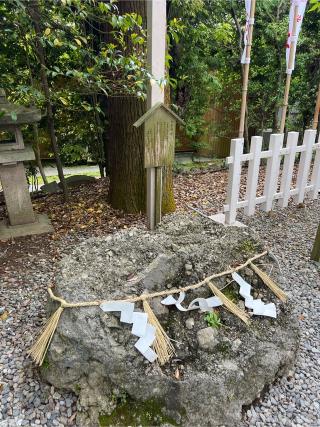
162	345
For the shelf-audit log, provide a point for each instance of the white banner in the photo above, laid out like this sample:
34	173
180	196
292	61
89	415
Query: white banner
301	9
244	59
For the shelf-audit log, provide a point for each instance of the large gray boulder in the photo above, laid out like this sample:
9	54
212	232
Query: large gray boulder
93	354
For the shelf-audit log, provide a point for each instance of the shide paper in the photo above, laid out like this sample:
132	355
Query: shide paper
140	326
204	304
259	308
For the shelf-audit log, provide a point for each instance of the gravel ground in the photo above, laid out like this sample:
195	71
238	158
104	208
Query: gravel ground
292	401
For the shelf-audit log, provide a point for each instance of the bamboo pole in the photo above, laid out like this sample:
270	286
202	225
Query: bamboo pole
290	65
246	70
316	111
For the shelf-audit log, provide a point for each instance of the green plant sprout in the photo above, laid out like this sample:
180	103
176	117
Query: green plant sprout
213	319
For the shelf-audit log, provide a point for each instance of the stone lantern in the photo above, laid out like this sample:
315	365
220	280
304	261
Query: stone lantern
22	220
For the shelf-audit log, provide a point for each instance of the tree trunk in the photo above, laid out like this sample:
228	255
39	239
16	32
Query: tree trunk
126	151
36	150
34	12
35	145
126	145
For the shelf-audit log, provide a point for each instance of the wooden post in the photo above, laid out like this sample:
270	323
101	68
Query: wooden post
156	51
316	111
246	71
315	254
236	150
289	70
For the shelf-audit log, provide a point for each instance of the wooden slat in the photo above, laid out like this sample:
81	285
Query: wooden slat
272	172
253	174
304	164
236	150
287	170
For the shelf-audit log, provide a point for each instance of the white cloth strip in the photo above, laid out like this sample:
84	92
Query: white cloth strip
259	307
140	326
301	10
203	304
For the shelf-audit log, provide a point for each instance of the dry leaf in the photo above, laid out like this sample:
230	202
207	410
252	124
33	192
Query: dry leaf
4	316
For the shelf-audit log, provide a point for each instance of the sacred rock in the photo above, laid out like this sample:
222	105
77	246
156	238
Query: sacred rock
93	354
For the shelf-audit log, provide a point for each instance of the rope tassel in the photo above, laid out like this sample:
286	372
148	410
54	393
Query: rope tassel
269	282
39	349
229	304
162	344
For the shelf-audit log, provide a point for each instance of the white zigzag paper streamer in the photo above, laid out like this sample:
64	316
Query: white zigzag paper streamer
140	326
204	304
259	308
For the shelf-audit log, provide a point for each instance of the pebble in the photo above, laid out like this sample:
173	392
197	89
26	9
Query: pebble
190	323
289	234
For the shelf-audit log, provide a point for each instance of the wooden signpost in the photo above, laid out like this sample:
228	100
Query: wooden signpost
159	121
159	141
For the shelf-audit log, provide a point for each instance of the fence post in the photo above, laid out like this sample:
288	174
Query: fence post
304	164
236	149
253	174
272	172
287	170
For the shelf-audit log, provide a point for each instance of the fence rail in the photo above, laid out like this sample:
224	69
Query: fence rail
274	156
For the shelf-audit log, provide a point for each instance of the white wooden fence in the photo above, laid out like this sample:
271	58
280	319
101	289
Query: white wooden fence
274	155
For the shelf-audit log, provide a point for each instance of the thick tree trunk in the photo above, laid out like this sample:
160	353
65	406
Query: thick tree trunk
126	150
35	15
126	145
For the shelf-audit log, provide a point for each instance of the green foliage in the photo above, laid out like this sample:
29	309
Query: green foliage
213	319
315	5
208	71
84	64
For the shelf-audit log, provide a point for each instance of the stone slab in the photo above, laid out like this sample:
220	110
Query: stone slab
11	156
40	226
51	188
77	180
16	194
220	218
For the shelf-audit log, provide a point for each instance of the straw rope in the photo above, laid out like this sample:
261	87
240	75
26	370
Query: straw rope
229	304
143	297
269	282
163	346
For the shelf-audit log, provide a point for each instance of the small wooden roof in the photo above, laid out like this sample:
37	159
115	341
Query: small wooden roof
9	111
152	110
